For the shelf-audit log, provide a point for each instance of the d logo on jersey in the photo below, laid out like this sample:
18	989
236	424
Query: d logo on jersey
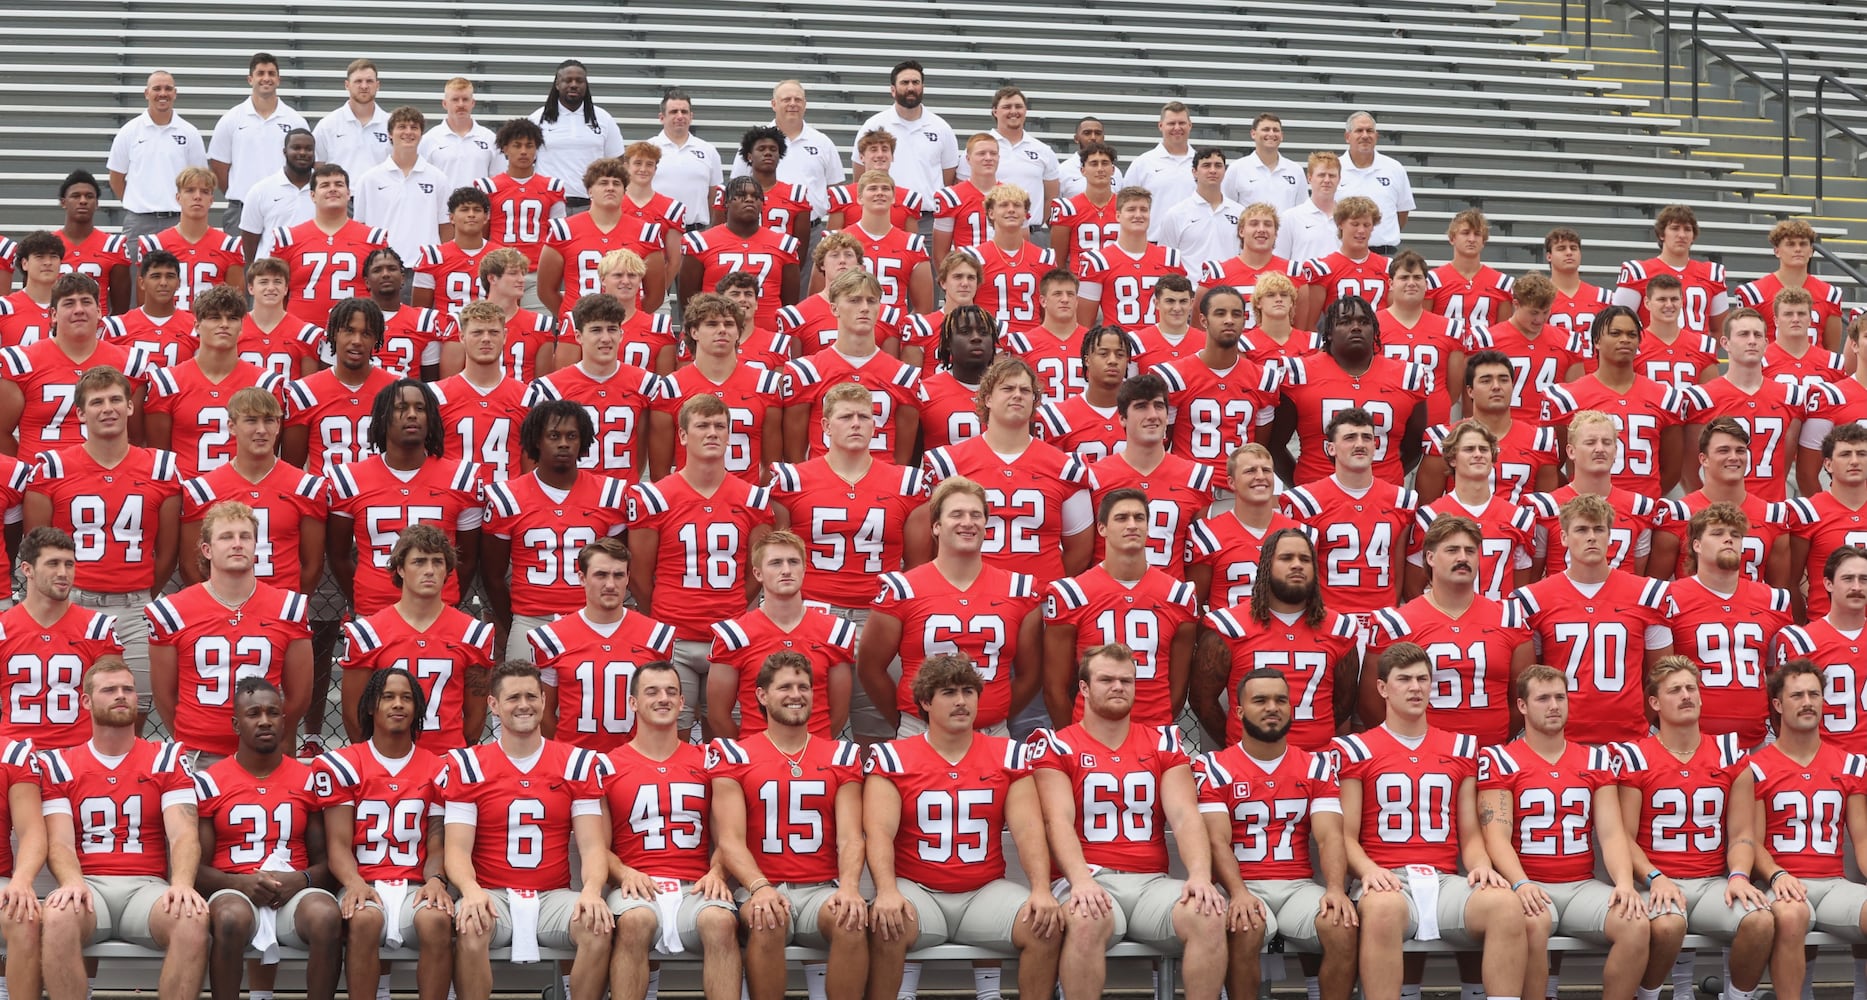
713	757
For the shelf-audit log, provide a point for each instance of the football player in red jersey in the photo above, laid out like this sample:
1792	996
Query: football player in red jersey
1771	411
1575	302
199	390
811	323
742	243
1707	296
117	878
1178	491
1803	789
949	398
448	651
270	337
1835	517
782	619
1837	401
291	504
959	209
447	276
785	207
642	203
1118	885
125	531
1669	354
1218	399
1594	442
1173	337
1648	414
1361	523
1118	278
482	407
617	395
648	338
875	152
1353	271
1527	458
1274	337
411	344
1085	424
1794	356
261	848
39	393
662	848
577	244
523	202
1506	553
158	326
1053	347
959	283
1410	333
1350	372
1410	812
1273	890
856	298
932	885
382	800
691	535
89	250
530	345
1477	642
1122	599
1222	549
536	523
47	643
795	845
22	815
1086	221
1833	641
587	656
1541	353
331	408
1554	875
1727	624
1467	291
1600	625
755	395
1039	515
1257	240
896	257
1313	646
1686	797
326	254
518	860
26	315
1793	241
1724	458
205	638
1010	263
208	257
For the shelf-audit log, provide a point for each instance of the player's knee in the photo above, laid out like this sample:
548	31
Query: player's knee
1668	930
1249	941
634	928
1384	910
433	927
232	922
366	925
717	928
188	932
1791	914
476	939
1078	925
20	934
1197	929
1539	926
318	920
1757	922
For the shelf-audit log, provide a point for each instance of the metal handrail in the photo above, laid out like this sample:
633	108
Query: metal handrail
1821	119
1860	280
1588	25
1715	52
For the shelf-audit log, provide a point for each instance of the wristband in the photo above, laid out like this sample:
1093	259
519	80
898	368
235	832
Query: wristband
307	878
1780	872
437	875
1655	873
1520	883
763	883
1743	875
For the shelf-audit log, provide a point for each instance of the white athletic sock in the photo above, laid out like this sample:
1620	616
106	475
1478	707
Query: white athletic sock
814	974
382	987
260	994
654	984
1312	989
910	981
1642	993
986	981
1733	993
1554	989
1683	986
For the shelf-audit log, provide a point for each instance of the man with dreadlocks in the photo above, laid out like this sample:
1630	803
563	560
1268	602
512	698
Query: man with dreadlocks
949	398
576	132
1350	371
743	243
393	887
1285	627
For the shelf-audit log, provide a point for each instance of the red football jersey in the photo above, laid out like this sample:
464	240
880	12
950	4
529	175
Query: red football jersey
846	208
1468	302
742	643
1761	296
1730	637
1032	502
1430	343
951	811
380	503
96	255
1636	517
812	326
1079	226
115	807
1470	656
283	349
618	406
1361	540
1214	413
702	557
215	646
254	818
335	416
24	322
282	499
1306	653
48	380
1804	806
892	257
201	430
980	622
583	245
1826	524
523	816
1008	281
1269	808
1151	346
527	333
111	513
1116	791
752	395
790	824
1844	672
962	206
1123	283
591	666
1231	548
15	476
764	254
1410	795
1235	272
166	342
855	531
44	673
411	340
1078	427
1058	361
893	385
1682	803
784	204
206	262
949	411
1814	366
454	273
1768	522
1539	362
18	764
658	812
547	530
1600	640
1143	615
1552	803
439	656
1639	414
393	800
522	211
1178	492
1509	543
1522	454
483	424
1575	314
1320	388
326	268
1676	363
1707	291
1341	276
1769	414
1258	346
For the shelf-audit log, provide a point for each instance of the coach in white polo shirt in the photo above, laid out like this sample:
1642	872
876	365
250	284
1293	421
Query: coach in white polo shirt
355	136
1265	175
577	133
462	148
405	194
281	199
690	167
1023	161
810	158
926	152
1070	181
1307	230
249	140
1166	171
1376	176
1203	227
145	157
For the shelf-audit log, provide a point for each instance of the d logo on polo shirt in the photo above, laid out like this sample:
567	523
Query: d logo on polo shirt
1384	181
426	188
181	140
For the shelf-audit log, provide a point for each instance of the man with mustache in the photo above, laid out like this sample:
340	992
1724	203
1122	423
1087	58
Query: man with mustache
1507	530
1725	446
1833	640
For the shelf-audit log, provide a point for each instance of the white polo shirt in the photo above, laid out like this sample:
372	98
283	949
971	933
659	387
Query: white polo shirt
1070	180
273	202
410	206
463	158
925	149
1305	232
1249	181
1385	181
809	159
251	144
1201	231
351	143
1027	163
1169	177
149	156
573	143
688	173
